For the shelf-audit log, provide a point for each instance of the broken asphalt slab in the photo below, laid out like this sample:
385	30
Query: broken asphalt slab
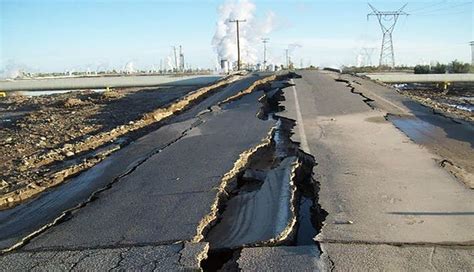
21	221
259	216
377	186
167	198
282	258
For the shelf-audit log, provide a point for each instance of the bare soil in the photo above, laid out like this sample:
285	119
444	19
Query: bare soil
457	101
43	134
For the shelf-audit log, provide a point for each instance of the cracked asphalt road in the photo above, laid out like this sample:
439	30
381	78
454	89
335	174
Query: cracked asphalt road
24	219
166	197
162	186
390	206
387	199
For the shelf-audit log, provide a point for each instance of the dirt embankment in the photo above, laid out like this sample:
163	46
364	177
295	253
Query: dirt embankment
457	101
45	140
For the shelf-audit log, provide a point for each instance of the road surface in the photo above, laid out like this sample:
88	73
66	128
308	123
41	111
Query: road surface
390	206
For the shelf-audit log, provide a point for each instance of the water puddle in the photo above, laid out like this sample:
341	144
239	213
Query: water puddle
306	231
416	129
464	107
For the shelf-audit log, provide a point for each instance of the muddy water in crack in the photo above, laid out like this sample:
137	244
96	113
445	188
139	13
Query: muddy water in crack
306	231
232	232
266	200
270	160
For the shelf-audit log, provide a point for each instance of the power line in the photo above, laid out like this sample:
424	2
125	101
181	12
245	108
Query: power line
443	9
444	14
428	7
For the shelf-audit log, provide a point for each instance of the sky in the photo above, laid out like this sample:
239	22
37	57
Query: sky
59	35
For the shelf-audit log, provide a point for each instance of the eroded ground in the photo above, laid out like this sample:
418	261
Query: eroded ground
456	101
33	125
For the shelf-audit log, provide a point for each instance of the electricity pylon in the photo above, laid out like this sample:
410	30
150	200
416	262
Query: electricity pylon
472	52
265	41
367	53
387	21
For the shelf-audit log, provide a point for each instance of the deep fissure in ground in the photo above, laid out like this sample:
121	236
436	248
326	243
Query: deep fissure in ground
309	215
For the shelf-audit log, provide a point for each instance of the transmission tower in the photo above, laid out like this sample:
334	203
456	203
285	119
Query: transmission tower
265	41
367	53
387	21
472	52
181	59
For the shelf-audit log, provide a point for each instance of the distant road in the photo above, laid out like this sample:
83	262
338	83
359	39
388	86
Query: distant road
103	82
417	78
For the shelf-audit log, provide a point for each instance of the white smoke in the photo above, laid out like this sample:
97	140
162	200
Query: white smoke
129	67
293	46
251	31
170	63
13	70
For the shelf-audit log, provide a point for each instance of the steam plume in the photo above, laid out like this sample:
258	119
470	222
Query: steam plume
251	31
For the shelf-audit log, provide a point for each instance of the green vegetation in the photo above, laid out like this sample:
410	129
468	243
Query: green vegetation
375	69
422	69
455	67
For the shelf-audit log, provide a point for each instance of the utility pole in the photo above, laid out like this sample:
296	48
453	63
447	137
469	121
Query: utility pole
265	41
472	52
237	21
387	21
175	58
181	59
287	59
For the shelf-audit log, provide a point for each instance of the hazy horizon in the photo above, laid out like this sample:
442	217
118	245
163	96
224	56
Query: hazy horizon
54	36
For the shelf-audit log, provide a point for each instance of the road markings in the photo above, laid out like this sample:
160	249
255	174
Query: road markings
299	121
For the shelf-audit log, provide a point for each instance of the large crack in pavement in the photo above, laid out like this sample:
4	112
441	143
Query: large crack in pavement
68	213
276	164
269	198
395	118
367	100
83	160
65	215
